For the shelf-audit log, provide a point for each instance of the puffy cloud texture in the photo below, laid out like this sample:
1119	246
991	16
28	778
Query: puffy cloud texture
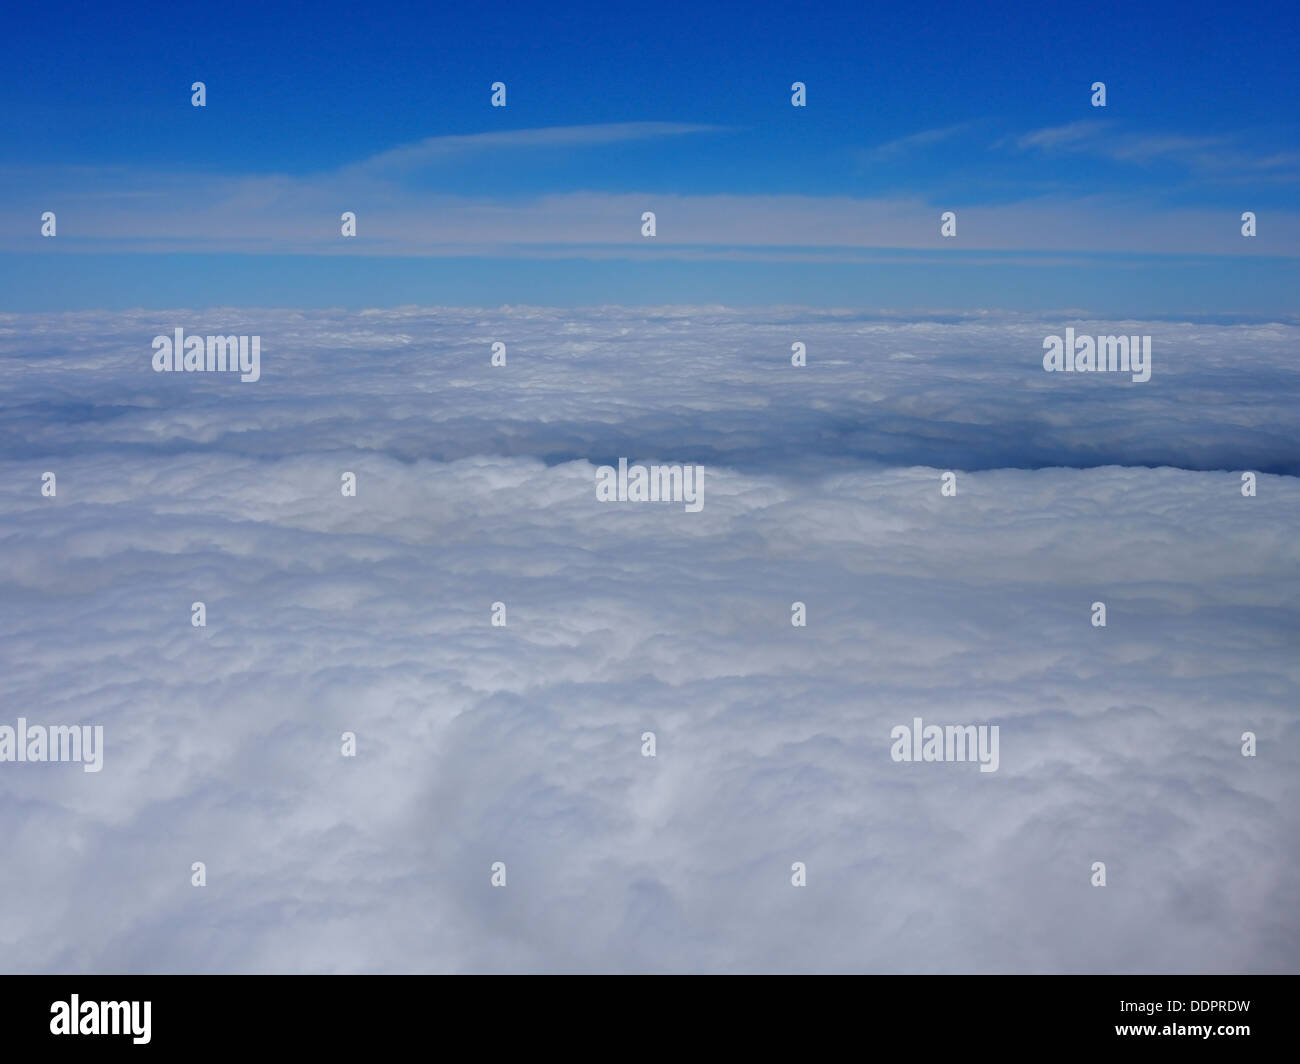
522	744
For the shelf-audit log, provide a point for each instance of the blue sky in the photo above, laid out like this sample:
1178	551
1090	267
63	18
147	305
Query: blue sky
684	110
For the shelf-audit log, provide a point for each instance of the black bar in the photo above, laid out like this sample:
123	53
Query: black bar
613	1017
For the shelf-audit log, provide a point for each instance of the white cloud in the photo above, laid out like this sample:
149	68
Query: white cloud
400	212
521	744
925	138
432	150
1221	157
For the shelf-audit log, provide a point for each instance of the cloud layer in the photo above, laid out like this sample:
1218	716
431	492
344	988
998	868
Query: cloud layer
403	205
522	744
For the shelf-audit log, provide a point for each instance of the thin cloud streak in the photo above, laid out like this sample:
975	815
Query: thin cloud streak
402	160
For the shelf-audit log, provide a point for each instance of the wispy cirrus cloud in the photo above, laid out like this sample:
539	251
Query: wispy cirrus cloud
1213	155
402	212
433	150
290	215
925	138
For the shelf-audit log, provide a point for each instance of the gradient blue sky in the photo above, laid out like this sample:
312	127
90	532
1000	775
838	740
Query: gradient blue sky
681	109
